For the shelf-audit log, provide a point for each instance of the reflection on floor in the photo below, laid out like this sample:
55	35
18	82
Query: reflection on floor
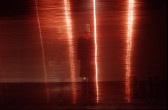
32	96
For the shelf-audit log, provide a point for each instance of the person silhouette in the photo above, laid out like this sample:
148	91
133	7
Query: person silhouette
85	54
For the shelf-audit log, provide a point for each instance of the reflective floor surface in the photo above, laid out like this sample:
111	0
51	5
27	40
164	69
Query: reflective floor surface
54	96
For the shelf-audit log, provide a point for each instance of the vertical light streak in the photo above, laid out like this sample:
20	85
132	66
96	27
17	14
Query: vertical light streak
71	49
42	49
129	49
95	42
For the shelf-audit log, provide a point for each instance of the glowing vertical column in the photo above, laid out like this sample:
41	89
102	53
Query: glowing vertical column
95	59
71	49
129	49
42	49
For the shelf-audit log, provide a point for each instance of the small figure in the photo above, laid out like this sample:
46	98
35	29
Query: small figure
85	55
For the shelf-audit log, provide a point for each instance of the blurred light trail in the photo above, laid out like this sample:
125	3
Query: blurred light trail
71	49
42	49
95	42
129	49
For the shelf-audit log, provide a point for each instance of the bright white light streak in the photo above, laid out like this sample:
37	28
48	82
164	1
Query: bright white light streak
71	49
42	49
95	42
129	49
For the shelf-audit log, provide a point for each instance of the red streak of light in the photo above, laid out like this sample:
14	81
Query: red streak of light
42	49
71	49
95	42
129	49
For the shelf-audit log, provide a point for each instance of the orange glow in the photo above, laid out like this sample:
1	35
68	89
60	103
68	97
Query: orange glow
129	49
95	42
43	53
71	49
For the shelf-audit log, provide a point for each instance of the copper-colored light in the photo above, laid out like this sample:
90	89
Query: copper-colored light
129	49
42	49
71	48
95	41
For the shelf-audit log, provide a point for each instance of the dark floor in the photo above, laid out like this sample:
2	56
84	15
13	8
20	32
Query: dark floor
54	96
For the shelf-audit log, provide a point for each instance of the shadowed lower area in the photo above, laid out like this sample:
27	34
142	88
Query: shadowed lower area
35	96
